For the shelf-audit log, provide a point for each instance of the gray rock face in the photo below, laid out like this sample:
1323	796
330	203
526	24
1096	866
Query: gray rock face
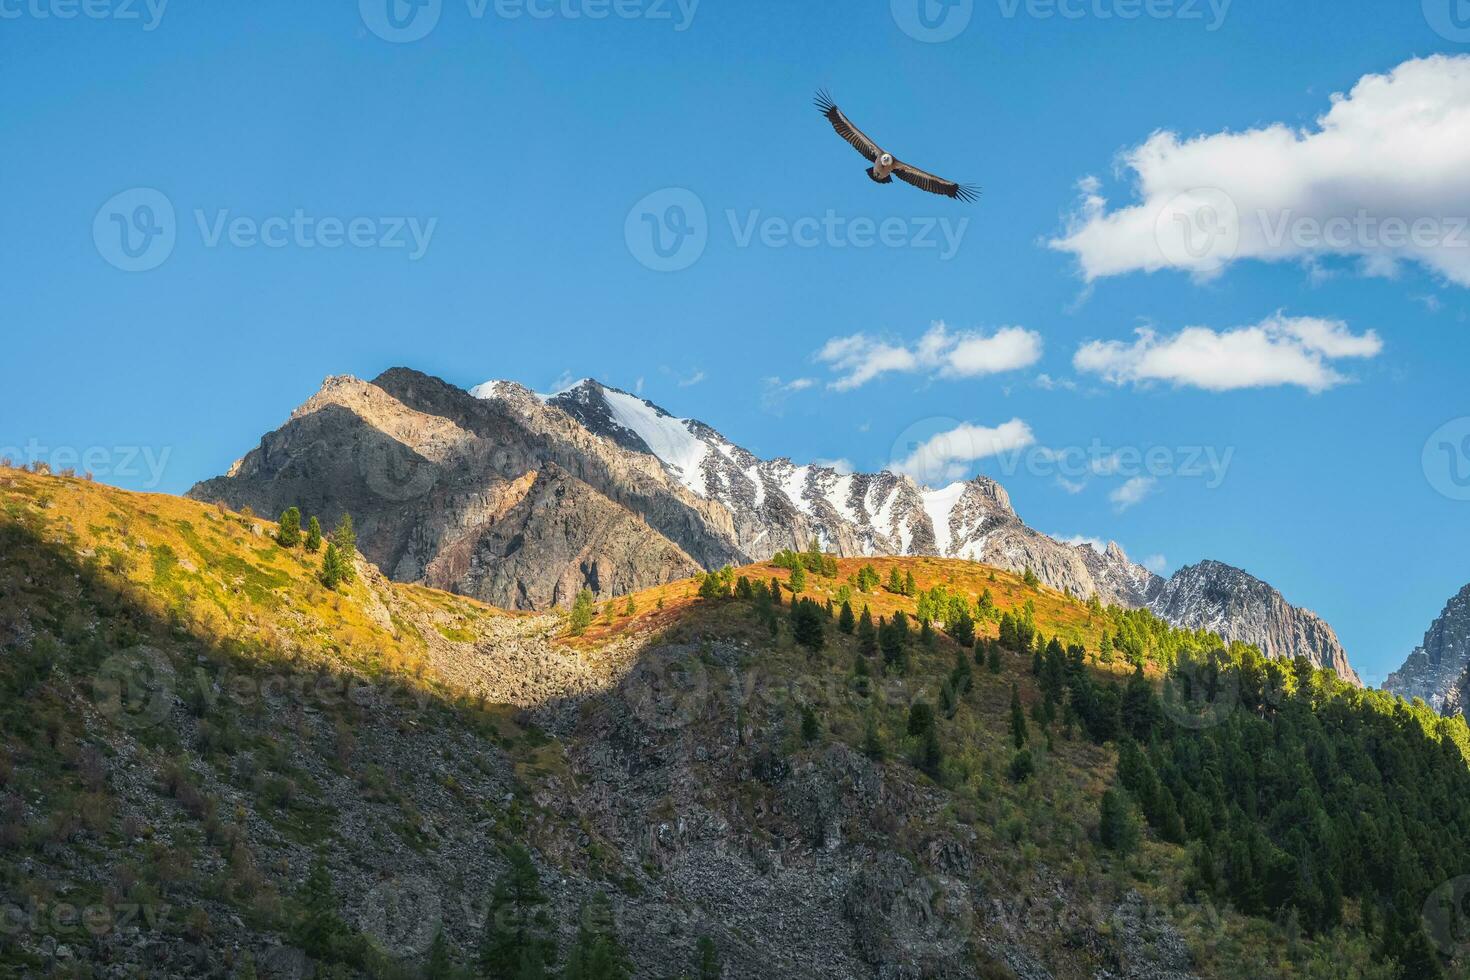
521	500
1439	668
1240	607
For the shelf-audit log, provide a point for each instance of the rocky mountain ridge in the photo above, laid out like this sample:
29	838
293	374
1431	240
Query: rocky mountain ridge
1438	670
521	500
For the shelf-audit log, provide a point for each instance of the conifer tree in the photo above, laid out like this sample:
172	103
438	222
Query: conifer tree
584	608
872	738
597	954
316	925
867	636
439	965
707	965
1018	718
963	630
313	535
806	624
775	591
289	535
895	582
845	620
1117	826
994	663
517	942
811	729
345	538
798	580
331	574
910	587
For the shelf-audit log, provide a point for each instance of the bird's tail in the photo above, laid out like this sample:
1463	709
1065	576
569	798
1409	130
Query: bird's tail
873	175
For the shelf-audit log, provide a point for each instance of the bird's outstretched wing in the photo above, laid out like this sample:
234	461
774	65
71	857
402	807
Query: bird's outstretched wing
845	128
926	181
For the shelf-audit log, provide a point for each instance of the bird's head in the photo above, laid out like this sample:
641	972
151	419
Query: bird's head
886	160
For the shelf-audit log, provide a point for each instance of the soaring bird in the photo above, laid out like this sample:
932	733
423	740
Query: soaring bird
885	165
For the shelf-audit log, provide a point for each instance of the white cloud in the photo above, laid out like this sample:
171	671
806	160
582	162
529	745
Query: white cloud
949	456
1279	350
773	398
841	465
1077	540
1132	492
1071	486
1155	564
1047	383
966	354
692	380
1383	177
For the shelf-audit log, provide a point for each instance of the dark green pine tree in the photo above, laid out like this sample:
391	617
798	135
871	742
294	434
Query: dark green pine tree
316	925
289	535
926	635
811	729
806	624
1018	718
439	965
963	630
313	535
845	619
1117	826
331	575
994	662
867	636
707	960
345	538
798	579
872	738
910	587
597	954
517	943
775	591
895	582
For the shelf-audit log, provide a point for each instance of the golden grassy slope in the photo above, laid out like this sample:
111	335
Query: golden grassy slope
222	576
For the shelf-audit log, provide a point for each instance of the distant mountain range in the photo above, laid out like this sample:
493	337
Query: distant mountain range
522	499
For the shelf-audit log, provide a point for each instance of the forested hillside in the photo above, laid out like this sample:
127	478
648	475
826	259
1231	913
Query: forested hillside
226	753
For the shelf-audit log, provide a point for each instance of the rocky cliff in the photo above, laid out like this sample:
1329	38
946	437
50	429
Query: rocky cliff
1437	669
1235	604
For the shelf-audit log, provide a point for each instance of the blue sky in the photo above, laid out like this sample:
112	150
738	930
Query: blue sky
519	148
